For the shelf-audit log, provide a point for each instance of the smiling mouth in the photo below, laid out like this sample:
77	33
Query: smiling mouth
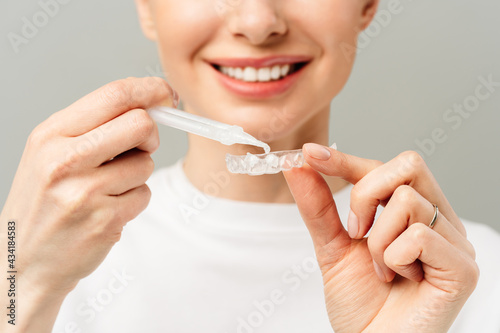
262	74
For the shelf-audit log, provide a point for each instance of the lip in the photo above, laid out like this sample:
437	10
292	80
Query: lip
258	90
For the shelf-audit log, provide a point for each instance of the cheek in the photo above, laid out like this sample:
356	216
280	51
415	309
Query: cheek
332	25
183	26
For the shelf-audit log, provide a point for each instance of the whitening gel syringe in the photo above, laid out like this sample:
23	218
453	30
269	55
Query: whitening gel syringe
208	128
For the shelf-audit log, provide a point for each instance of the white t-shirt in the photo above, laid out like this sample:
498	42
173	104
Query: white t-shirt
197	263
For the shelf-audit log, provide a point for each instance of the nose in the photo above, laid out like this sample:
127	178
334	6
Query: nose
258	21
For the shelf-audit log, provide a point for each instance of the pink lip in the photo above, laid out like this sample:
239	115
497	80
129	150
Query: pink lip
258	90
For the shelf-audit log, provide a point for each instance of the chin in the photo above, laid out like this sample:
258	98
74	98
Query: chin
266	124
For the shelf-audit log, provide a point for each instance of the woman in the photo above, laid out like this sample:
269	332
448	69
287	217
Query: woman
217	252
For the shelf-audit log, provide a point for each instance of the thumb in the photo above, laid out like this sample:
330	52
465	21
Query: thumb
332	162
317	207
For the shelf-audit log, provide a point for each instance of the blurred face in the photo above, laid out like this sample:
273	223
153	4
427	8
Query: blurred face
257	62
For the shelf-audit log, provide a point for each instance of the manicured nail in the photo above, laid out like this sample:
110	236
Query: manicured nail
316	151
175	98
352	224
379	272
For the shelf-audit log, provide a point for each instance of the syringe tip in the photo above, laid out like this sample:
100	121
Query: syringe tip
239	136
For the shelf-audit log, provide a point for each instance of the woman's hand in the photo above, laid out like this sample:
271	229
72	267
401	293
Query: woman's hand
80	180
403	277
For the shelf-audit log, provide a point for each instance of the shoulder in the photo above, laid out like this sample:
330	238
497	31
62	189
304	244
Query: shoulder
482	309
486	242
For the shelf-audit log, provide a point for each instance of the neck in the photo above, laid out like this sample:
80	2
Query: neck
205	165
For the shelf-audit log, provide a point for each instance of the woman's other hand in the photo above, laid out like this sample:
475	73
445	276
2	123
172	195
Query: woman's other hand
403	277
80	180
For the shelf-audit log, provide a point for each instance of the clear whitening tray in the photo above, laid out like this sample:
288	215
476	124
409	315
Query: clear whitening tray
260	164
208	128
269	163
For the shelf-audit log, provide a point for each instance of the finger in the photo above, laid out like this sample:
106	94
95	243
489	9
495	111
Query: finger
130	130
332	162
116	211
421	252
110	101
125	172
405	208
375	182
377	186
317	207
130	204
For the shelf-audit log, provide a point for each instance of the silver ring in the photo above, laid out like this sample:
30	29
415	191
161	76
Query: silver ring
435	217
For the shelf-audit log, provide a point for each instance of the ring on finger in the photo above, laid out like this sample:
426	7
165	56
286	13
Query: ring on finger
434	218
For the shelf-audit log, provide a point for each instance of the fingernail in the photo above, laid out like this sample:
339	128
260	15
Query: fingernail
316	151
379	272
334	146
352	224
175	98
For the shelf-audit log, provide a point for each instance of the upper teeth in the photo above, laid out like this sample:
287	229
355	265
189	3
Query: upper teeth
251	74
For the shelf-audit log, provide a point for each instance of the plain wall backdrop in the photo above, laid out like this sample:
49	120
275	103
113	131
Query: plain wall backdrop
416	62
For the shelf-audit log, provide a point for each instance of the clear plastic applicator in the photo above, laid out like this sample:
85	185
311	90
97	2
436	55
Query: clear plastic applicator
208	128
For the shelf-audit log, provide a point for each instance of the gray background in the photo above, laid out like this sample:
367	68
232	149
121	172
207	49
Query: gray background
410	72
